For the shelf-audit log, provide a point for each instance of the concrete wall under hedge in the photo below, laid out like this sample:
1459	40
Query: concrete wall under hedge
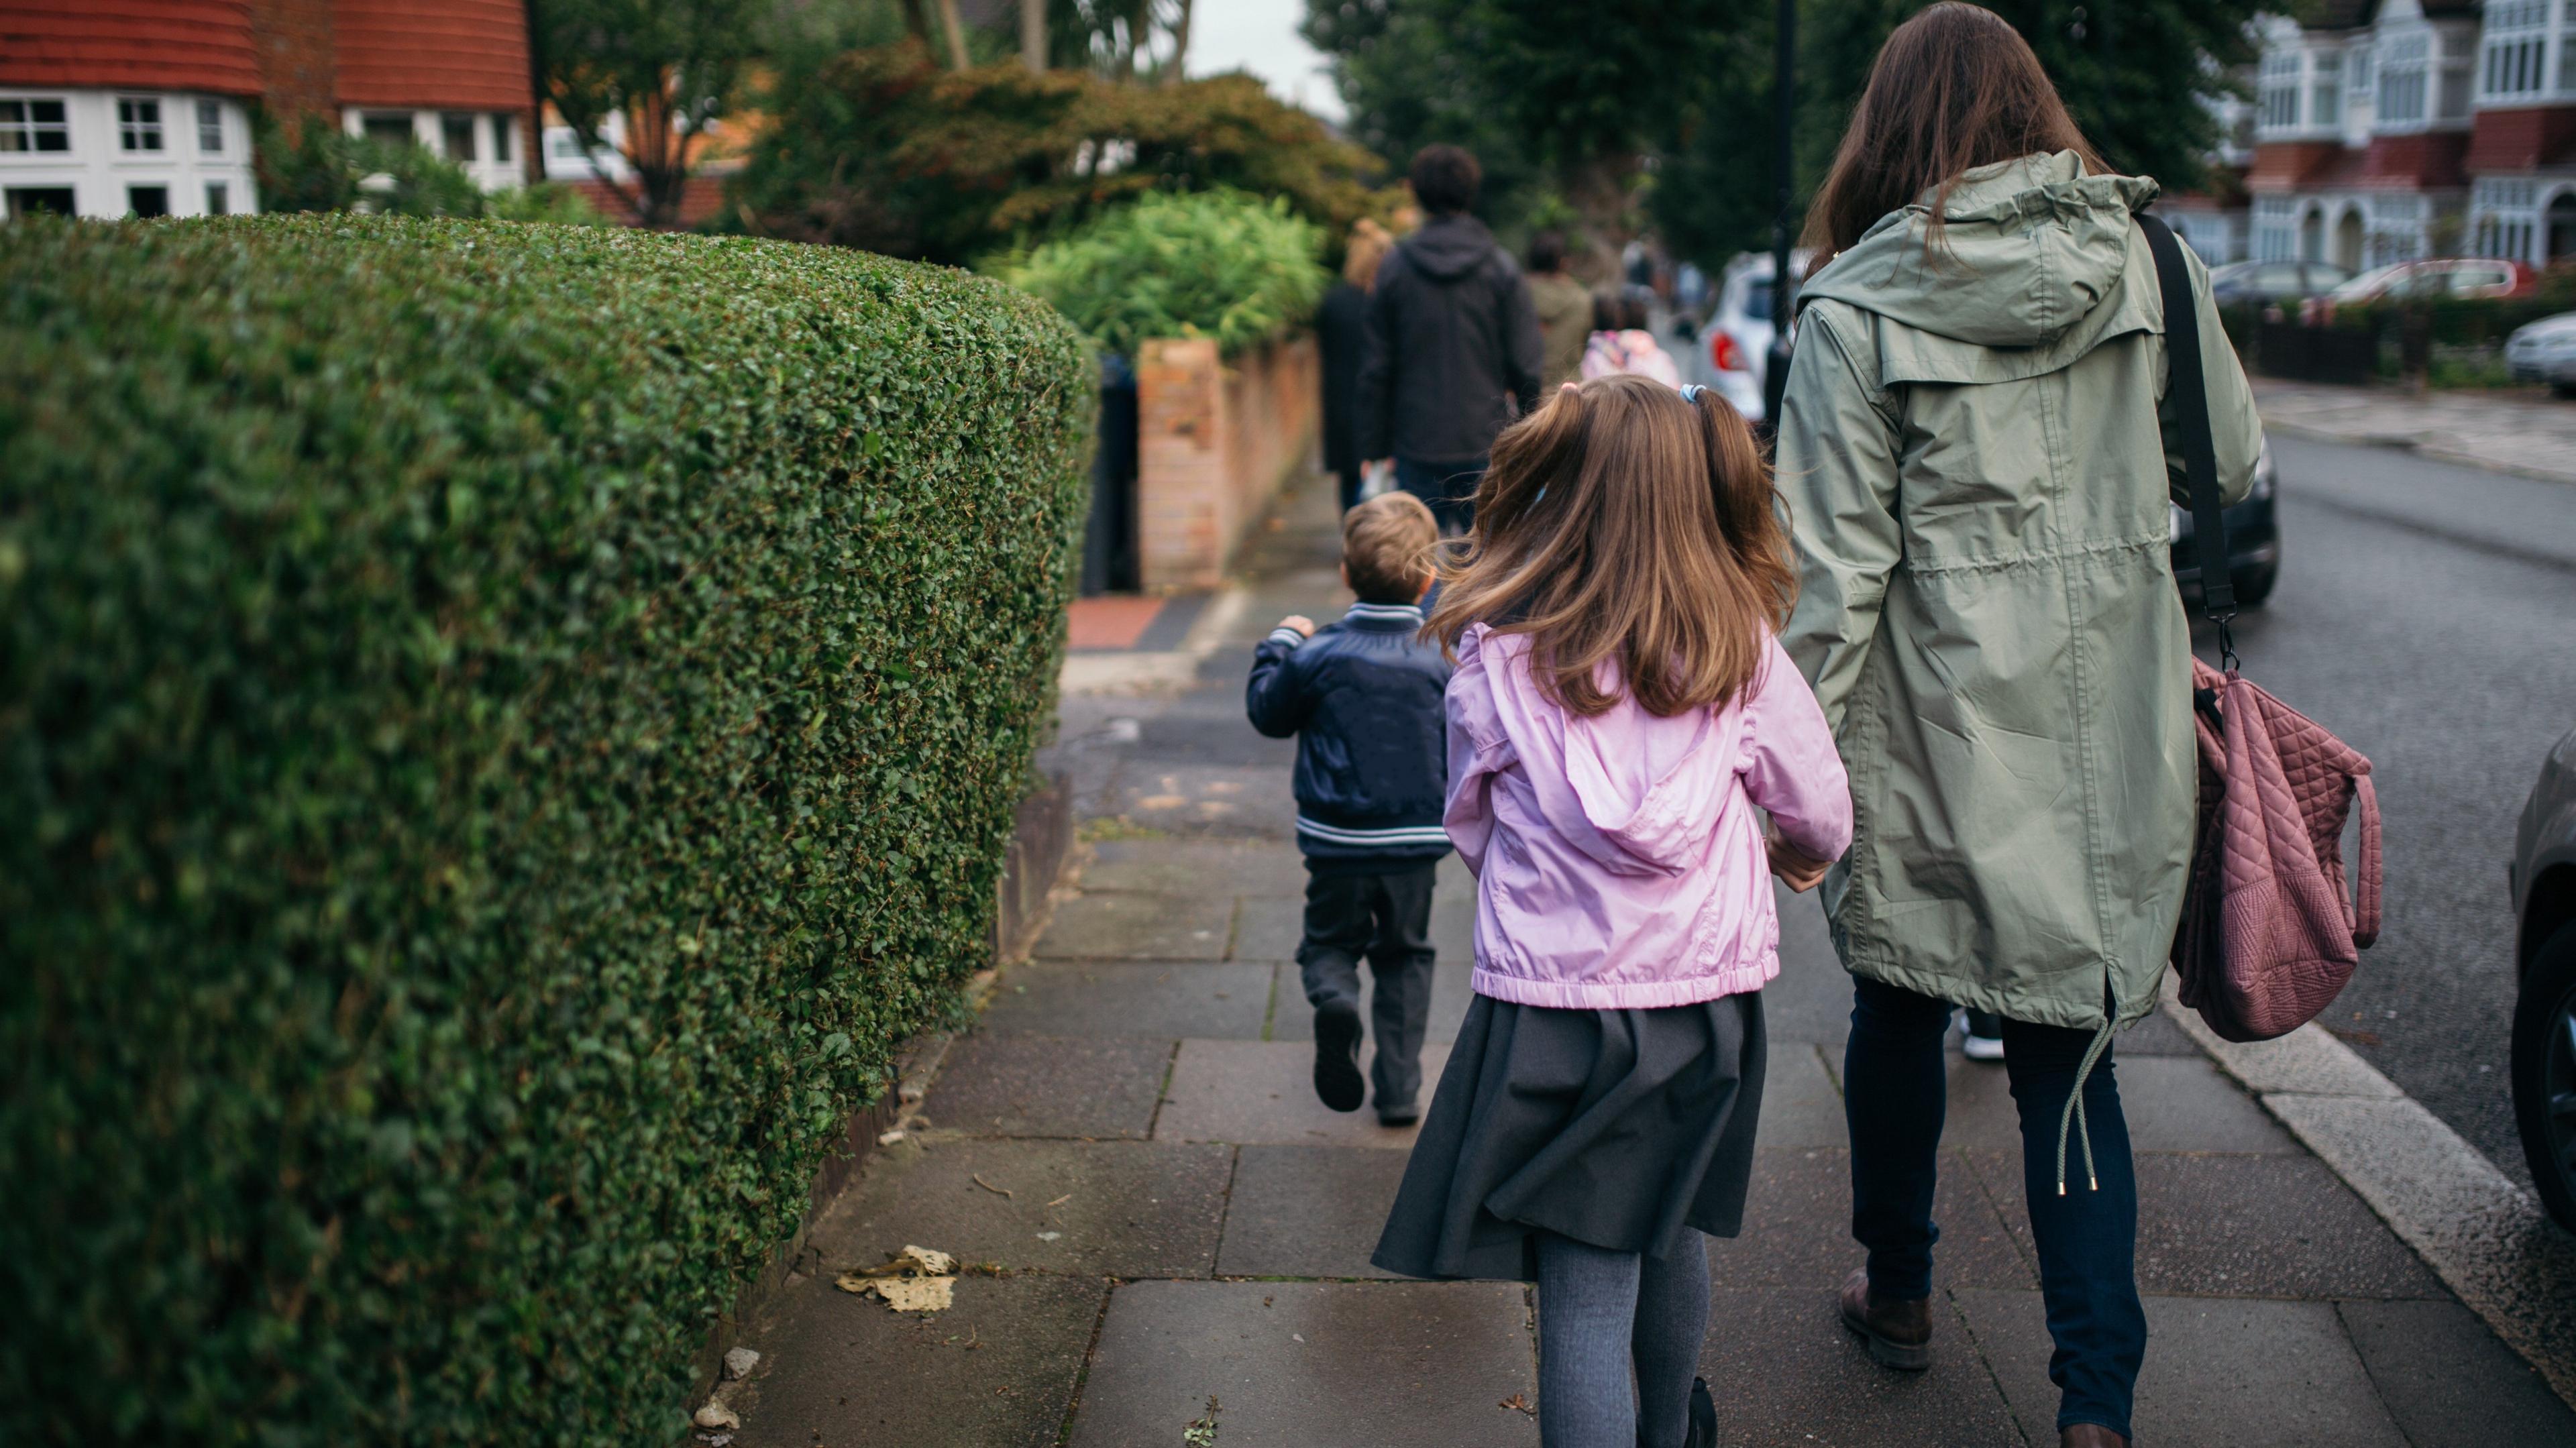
501	728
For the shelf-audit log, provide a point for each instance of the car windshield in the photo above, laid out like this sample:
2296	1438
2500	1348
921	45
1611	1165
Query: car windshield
2373	281
1757	298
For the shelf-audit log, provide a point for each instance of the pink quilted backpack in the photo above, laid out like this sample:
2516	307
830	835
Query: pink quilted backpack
2268	934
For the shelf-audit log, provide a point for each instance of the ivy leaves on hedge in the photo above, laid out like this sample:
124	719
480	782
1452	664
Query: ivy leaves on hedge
1215	264
501	727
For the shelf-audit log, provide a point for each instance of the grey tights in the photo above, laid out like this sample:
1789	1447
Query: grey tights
1602	1314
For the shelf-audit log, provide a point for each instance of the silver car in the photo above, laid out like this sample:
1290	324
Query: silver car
1738	334
2545	351
2543	875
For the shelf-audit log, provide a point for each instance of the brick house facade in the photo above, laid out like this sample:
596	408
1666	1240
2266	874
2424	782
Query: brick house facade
2392	129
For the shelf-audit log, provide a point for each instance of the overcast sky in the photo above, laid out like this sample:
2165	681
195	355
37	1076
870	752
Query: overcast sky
1261	36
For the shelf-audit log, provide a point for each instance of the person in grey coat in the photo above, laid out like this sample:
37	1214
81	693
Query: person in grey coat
1450	353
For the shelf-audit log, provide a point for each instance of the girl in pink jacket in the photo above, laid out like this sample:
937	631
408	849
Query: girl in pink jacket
1620	710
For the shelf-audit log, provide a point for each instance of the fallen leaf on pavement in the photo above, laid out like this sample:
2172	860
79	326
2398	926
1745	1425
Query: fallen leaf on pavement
916	1279
1518	1404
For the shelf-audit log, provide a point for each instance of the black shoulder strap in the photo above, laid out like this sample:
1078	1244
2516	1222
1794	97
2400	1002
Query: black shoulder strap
2188	389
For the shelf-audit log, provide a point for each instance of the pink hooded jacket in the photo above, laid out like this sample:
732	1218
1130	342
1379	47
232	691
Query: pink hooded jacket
1619	863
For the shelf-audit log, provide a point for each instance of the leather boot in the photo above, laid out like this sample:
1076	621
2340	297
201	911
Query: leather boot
1703	1416
2089	1435
1899	1333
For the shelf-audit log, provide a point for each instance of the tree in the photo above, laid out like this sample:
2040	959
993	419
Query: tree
1583	95
881	148
2137	77
667	68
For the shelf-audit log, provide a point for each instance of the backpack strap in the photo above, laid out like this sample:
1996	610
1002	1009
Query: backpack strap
2187	388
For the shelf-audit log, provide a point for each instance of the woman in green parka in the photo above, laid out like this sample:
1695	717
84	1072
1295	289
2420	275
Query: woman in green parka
1972	446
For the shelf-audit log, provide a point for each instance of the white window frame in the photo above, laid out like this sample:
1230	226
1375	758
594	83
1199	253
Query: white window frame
2406	91
210	124
28	131
2282	91
133	129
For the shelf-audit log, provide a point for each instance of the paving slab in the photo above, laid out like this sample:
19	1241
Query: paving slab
1264	1091
1267	929
1800	1105
2449	1382
997	1084
1166	999
1230	799
1797	1229
1109	1208
1308	1211
1187	866
1785	1374
2244	1226
2220	1372
1299	1364
2172	1103
1138	927
995	1371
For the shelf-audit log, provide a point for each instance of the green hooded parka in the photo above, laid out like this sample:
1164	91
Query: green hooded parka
1974	449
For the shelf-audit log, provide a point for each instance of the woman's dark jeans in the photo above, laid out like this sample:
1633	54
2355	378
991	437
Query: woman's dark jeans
1894	1083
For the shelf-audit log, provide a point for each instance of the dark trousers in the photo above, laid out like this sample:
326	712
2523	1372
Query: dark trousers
1449	489
1894	1083
1384	919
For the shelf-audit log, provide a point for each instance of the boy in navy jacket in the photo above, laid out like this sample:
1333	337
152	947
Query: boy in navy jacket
1364	699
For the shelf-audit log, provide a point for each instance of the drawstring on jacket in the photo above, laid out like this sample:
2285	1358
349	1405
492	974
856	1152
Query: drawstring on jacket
2074	1112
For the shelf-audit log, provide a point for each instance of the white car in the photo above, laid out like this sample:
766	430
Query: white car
1738	335
2545	351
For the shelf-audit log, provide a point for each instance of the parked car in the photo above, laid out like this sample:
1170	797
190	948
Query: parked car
2448	276
2543	876
2253	541
1739	330
2545	351
2273	281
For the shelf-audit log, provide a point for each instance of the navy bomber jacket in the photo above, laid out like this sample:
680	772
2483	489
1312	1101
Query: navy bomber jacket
1364	698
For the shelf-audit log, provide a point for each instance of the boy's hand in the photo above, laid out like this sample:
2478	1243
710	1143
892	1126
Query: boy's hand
1796	868
1303	625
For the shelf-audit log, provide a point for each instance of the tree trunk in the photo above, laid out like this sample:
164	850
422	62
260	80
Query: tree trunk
532	157
1180	46
1598	190
1033	36
916	23
956	30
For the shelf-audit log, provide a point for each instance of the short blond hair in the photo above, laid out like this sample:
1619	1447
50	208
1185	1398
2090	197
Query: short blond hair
1368	246
1386	548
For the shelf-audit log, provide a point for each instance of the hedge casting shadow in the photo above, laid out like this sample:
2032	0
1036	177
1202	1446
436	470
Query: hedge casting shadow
500	728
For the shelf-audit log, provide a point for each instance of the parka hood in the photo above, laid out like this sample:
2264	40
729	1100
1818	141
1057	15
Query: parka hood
2030	252
1449	247
1636	793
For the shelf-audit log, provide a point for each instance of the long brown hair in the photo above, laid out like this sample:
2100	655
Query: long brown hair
1621	524
1954	88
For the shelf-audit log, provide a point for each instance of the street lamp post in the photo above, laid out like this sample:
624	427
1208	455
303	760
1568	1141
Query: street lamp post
1775	370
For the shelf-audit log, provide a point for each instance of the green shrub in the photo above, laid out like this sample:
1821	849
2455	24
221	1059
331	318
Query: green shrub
1206	264
886	149
500	727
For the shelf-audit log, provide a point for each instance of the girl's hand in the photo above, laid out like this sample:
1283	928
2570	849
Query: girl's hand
1300	623
1796	868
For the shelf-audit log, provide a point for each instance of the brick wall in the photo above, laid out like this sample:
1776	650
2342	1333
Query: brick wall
1214	442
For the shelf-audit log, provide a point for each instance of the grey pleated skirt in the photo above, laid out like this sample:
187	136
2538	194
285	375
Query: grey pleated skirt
1615	1128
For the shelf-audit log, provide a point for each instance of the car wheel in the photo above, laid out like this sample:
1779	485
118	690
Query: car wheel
2544	1073
2562	389
2255	585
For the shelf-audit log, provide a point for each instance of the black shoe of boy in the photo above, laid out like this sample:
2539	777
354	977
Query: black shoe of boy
1703	1416
1399	1116
1337	1056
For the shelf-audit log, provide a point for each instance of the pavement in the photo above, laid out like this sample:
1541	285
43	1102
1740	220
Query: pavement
2523	430
1166	1236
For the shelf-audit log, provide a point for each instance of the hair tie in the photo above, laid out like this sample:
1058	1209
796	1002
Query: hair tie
1691	392
1570	387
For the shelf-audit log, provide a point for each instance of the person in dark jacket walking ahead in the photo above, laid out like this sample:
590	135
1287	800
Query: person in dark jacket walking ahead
1451	353
1364	698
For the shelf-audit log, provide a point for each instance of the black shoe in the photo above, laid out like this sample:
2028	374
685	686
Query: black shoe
1703	1416
1337	1056
1404	1115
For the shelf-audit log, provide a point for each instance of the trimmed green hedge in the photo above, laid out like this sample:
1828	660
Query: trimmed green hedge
500	728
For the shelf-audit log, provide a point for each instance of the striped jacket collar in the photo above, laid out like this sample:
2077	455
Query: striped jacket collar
1385	616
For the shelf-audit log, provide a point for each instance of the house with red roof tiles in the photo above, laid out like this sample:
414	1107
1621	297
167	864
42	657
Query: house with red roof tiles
143	107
